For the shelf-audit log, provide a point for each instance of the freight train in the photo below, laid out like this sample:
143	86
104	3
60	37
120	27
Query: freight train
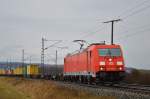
31	71
97	63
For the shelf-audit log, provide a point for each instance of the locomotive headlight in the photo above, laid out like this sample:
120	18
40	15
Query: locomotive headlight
119	63
120	68
102	63
101	68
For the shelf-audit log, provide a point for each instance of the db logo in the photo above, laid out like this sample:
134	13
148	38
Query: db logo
111	63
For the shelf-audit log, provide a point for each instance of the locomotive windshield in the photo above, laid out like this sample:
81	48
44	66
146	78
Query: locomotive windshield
110	52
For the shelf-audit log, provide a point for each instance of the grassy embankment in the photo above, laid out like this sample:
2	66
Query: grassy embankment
9	92
139	77
14	88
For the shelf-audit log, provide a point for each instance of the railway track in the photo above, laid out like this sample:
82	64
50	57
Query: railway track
144	89
141	89
131	91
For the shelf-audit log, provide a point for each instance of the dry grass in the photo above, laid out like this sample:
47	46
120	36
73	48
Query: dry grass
42	89
9	92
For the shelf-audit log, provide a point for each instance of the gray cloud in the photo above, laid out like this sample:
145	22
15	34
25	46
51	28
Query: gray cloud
24	22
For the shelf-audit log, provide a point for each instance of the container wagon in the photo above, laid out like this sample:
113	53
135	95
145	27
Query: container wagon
33	71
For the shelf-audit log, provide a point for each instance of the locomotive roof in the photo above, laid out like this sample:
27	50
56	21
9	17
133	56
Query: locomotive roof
82	50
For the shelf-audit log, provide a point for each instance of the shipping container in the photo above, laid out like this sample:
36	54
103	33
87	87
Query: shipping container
8	72
18	71
33	70
2	71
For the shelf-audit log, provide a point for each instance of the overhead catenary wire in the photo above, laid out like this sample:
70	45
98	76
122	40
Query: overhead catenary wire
101	27
128	15
136	28
89	33
132	11
140	7
133	8
133	34
136	12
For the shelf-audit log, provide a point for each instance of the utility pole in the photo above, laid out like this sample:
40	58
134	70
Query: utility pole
30	59
42	56
22	57
7	64
45	48
10	64
23	63
112	28
56	59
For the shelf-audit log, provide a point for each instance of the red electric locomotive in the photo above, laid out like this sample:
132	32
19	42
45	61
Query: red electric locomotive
96	63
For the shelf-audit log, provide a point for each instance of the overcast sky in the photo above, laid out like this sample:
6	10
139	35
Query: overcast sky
24	22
